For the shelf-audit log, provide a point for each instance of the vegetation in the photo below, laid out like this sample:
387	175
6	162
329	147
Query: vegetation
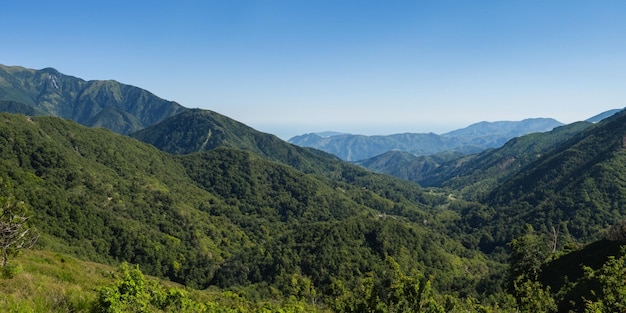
121	108
266	231
577	189
472	176
238	221
224	217
17	108
202	130
53	282
15	234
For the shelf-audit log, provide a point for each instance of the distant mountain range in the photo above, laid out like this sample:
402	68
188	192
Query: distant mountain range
472	139
471	174
98	103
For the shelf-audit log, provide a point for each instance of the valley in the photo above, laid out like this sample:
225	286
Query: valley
230	219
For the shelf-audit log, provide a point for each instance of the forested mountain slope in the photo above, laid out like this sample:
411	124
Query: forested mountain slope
482	172
576	189
408	166
472	175
203	130
119	107
238	209
224	217
199	130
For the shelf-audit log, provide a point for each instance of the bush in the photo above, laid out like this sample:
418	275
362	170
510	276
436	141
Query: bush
9	271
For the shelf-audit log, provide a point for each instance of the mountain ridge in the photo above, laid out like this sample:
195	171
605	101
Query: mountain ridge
581	178
107	103
472	173
602	116
198	130
224	217
472	139
231	207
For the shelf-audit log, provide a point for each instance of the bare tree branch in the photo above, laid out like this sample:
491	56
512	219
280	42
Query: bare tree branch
15	233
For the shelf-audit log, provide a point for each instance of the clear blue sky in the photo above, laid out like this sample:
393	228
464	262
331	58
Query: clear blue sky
372	67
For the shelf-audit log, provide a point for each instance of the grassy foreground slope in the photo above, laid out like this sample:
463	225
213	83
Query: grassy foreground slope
51	282
45	281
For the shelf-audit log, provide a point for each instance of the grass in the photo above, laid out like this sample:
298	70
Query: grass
41	281
45	281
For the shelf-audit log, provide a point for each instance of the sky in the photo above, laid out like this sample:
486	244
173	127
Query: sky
290	67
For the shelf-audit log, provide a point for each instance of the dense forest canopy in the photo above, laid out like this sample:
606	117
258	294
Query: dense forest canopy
224	217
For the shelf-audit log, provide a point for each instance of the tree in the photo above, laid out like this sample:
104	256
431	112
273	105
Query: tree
133	292
405	293
611	297
531	296
528	254
15	233
529	251
617	232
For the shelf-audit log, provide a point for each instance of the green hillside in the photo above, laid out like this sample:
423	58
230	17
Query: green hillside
560	273
225	217
53	282
119	107
409	166
18	108
576	189
249	223
203	130
475	174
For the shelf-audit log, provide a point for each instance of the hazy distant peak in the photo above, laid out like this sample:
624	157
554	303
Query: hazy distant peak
511	128
471	139
603	115
326	134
